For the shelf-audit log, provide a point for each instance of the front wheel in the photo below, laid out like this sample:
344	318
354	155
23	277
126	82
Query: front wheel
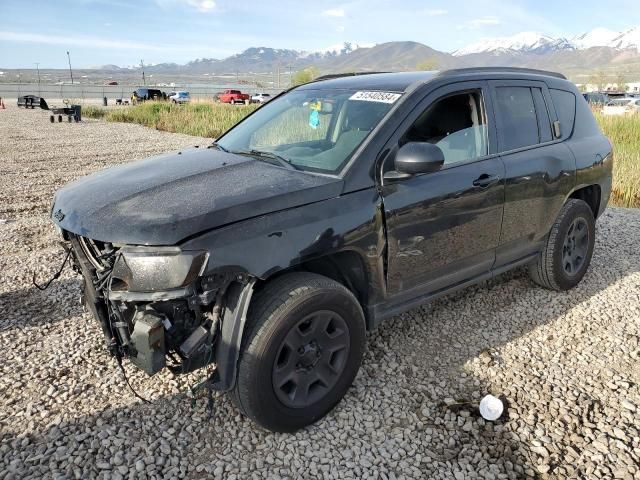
567	254
301	351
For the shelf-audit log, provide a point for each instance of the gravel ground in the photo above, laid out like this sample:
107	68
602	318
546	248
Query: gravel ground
566	364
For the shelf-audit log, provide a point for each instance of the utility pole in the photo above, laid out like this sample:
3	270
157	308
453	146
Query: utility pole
278	69
38	69
144	82
289	75
70	71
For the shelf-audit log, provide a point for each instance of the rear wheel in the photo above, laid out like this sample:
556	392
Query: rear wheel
301	351
567	255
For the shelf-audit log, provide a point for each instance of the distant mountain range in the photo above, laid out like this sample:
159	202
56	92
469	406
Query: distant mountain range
536	43
597	49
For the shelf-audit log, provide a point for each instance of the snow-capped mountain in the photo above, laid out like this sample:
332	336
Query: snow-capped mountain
522	42
627	39
532	42
343	48
598	37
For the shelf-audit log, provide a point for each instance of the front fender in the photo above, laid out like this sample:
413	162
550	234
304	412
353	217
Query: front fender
265	245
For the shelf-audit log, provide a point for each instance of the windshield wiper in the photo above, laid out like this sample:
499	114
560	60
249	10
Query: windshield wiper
218	146
268	156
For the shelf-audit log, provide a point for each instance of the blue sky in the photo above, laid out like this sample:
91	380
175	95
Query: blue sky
121	32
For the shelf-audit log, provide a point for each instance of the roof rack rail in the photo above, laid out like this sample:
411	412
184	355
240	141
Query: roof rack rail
502	70
340	75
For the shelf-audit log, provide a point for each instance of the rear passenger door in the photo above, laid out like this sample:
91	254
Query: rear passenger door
540	169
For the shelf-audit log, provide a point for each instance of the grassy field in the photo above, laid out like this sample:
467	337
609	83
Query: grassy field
211	119
624	133
199	119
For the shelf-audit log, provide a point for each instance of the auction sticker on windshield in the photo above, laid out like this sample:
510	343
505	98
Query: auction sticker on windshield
383	97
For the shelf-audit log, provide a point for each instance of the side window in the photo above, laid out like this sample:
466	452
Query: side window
457	124
565	103
518	114
544	122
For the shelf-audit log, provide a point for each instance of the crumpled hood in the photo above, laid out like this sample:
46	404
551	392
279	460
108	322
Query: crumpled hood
163	200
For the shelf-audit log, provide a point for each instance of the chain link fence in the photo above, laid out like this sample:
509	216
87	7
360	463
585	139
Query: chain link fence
81	93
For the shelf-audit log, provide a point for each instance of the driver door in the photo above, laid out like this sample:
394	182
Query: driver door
443	228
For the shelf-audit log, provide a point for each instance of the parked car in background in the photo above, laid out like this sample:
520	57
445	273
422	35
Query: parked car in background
233	96
143	94
260	98
622	106
596	98
32	101
179	97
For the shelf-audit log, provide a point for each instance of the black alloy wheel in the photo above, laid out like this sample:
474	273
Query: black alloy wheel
301	349
576	246
311	359
569	248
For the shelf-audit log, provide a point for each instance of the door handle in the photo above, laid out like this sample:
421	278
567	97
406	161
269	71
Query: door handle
485	180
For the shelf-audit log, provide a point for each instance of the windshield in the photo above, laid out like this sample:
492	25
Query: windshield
316	130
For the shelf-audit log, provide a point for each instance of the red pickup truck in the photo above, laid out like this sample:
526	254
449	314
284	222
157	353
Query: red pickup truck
233	96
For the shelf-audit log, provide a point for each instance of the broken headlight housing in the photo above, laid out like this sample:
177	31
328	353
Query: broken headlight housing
152	269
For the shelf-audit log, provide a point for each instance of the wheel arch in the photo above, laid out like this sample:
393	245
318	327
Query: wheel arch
346	267
591	195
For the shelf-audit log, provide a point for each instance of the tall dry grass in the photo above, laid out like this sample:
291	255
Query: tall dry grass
624	133
199	118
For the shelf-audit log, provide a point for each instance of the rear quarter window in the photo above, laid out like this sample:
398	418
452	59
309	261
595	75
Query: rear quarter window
565	104
519	123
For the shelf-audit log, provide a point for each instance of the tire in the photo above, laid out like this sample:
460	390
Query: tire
563	262
273	369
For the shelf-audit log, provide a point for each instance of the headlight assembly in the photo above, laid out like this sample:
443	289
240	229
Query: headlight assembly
150	269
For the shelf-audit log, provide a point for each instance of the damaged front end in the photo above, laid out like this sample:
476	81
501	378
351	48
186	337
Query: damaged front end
158	308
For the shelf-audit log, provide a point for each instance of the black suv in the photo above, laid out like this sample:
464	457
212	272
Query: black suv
342	202
143	93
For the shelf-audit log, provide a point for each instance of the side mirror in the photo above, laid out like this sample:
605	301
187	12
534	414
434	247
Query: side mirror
414	158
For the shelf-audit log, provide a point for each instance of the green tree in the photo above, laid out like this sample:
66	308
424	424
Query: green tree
621	83
304	76
428	64
599	79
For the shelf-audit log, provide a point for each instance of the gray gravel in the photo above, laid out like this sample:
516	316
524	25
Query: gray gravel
567	364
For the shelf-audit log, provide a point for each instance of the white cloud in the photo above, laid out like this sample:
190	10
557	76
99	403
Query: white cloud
70	40
435	12
334	12
204	6
484	21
